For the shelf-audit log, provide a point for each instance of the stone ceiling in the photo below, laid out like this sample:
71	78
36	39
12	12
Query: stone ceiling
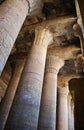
59	16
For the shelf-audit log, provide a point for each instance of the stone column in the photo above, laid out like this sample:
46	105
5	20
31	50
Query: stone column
25	109
12	16
10	93
80	14
47	117
72	114
69	112
62	119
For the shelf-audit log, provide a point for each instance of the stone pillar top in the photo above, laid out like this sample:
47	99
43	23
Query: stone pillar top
63	85
63	90
43	36
64	80
53	64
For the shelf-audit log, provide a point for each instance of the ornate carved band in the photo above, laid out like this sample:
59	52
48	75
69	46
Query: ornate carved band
53	64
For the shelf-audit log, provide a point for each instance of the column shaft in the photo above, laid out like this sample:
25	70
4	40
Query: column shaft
69	113
12	16
10	93
47	117
25	109
62	120
80	15
72	114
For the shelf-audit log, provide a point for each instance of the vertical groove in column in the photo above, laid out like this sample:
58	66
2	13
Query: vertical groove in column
10	93
12	16
25	109
47	117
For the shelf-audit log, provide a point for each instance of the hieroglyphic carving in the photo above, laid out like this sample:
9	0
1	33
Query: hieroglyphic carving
12	16
5	47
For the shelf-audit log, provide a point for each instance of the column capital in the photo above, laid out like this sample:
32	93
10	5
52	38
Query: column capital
64	79
63	90
43	36
63	85
53	64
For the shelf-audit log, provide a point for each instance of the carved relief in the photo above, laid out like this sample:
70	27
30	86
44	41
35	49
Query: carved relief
5	47
12	17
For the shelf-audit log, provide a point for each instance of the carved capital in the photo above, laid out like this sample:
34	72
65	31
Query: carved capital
63	90
43	36
63	85
64	80
53	64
